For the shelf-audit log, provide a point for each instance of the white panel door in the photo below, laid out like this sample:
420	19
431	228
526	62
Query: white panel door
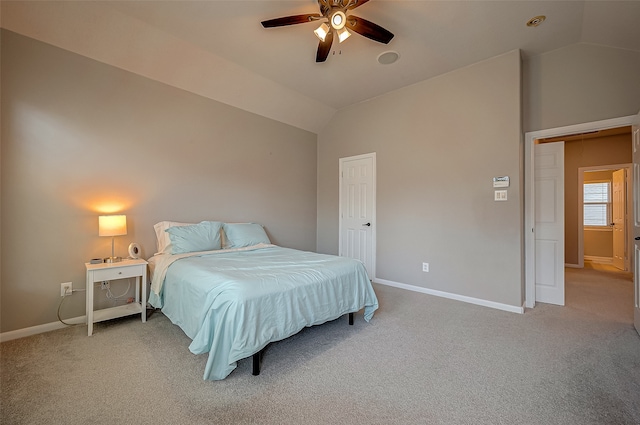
636	221
549	222
619	218
357	209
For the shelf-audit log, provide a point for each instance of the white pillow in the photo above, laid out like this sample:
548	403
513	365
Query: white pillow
163	242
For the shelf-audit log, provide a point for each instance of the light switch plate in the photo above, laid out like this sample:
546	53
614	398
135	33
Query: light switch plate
500	195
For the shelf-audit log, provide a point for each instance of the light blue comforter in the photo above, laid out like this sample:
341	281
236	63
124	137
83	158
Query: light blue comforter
233	304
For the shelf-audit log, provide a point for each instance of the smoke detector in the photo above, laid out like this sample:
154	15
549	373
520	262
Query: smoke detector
534	22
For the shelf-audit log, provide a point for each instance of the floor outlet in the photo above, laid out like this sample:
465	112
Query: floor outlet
425	267
66	288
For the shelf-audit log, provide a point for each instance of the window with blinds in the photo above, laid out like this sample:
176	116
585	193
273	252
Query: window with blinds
597	203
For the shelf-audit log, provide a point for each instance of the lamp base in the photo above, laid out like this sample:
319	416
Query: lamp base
112	259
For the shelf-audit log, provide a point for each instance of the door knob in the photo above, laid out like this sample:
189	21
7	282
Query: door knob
367	224
638	238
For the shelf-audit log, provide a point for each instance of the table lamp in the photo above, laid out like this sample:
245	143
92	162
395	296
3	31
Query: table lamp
112	225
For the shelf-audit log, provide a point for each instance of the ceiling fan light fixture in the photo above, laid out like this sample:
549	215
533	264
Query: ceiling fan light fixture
343	34
322	31
333	22
338	20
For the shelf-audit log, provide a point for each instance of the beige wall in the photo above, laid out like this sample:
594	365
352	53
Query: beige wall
439	143
598	243
580	83
79	136
587	153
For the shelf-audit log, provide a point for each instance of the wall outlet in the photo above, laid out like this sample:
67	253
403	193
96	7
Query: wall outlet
104	284
425	267
66	288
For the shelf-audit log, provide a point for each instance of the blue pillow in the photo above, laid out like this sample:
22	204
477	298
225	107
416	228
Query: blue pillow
204	236
244	234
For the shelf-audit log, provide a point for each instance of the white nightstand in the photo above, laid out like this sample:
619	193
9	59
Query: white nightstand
112	271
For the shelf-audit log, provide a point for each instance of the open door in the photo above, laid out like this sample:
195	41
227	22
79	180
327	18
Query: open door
636	221
549	222
619	218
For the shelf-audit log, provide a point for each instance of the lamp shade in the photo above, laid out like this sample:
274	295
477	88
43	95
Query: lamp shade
343	34
322	31
112	225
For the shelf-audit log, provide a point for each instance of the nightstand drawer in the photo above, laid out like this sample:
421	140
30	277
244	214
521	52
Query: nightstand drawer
117	273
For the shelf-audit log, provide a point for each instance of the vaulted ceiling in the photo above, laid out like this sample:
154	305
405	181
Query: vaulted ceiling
218	49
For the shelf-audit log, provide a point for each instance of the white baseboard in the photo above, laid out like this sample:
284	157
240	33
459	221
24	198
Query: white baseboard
598	260
21	333
47	327
470	300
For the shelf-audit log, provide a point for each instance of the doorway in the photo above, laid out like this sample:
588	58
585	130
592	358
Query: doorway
533	267
605	236
357	210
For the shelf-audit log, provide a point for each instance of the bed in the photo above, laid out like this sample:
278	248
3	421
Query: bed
233	292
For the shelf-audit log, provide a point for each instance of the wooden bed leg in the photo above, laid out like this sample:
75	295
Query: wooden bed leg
351	318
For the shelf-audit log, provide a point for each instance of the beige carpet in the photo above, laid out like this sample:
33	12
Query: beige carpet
604	292
422	360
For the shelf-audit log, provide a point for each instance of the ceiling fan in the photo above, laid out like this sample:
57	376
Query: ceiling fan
339	23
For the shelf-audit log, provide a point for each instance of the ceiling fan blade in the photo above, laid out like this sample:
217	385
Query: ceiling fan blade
290	20
369	29
356	3
324	48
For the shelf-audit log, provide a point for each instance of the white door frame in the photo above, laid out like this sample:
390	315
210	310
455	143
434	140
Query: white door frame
529	190
371	155
635	263
629	209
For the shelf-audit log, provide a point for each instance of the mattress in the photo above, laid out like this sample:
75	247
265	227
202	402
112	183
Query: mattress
232	303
